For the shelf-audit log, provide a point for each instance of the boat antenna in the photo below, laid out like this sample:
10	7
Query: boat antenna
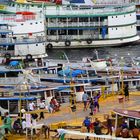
96	52
66	57
134	64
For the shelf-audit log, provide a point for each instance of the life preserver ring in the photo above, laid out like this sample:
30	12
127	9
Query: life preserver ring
7	55
89	41
29	57
67	43
49	46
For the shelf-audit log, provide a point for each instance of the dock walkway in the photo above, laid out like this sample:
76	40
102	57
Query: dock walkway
76	118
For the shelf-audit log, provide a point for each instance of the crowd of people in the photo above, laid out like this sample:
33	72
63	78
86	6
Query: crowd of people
91	102
53	105
107	127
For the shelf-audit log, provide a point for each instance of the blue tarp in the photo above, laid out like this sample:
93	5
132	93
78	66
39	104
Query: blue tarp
77	1
14	63
71	73
77	72
17	98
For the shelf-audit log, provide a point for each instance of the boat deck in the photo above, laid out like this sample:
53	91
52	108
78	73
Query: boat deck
76	118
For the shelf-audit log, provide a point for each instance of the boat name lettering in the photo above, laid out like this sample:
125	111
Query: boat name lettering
9	18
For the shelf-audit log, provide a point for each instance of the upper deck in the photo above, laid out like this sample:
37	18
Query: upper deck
69	10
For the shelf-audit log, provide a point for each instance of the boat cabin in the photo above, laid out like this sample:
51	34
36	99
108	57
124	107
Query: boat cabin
132	117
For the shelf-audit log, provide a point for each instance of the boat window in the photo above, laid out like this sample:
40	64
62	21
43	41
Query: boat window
53	32
22	24
80	32
31	23
94	19
62	32
10	47
13	5
103	18
138	28
40	21
72	32
138	17
48	93
36	23
36	44
138	123
112	16
13	106
116	29
116	16
83	19
18	5
4	104
62	20
32	5
130	14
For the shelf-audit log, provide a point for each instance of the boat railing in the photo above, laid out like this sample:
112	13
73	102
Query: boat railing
18	81
75	37
6	94
3	52
23	40
6	40
6	18
75	24
92	10
10	80
30	40
63	99
138	22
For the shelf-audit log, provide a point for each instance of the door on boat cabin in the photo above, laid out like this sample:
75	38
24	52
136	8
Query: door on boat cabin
13	106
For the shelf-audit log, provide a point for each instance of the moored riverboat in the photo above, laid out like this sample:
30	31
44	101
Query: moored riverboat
80	26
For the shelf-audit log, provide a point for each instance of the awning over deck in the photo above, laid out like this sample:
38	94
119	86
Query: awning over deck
128	113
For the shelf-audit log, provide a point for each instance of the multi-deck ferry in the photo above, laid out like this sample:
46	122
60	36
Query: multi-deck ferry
80	26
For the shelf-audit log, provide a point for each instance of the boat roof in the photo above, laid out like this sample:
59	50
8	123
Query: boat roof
17	98
128	113
92	135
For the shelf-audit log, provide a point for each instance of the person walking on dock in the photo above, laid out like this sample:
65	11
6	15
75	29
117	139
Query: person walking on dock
96	101
91	106
41	106
126	92
85	98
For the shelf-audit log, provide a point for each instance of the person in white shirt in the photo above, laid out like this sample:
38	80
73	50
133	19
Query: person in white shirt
42	106
31	106
23	124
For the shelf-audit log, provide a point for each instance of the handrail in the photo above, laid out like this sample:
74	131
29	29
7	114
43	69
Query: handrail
100	137
22	40
19	17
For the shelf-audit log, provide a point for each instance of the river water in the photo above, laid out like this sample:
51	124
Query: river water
103	52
